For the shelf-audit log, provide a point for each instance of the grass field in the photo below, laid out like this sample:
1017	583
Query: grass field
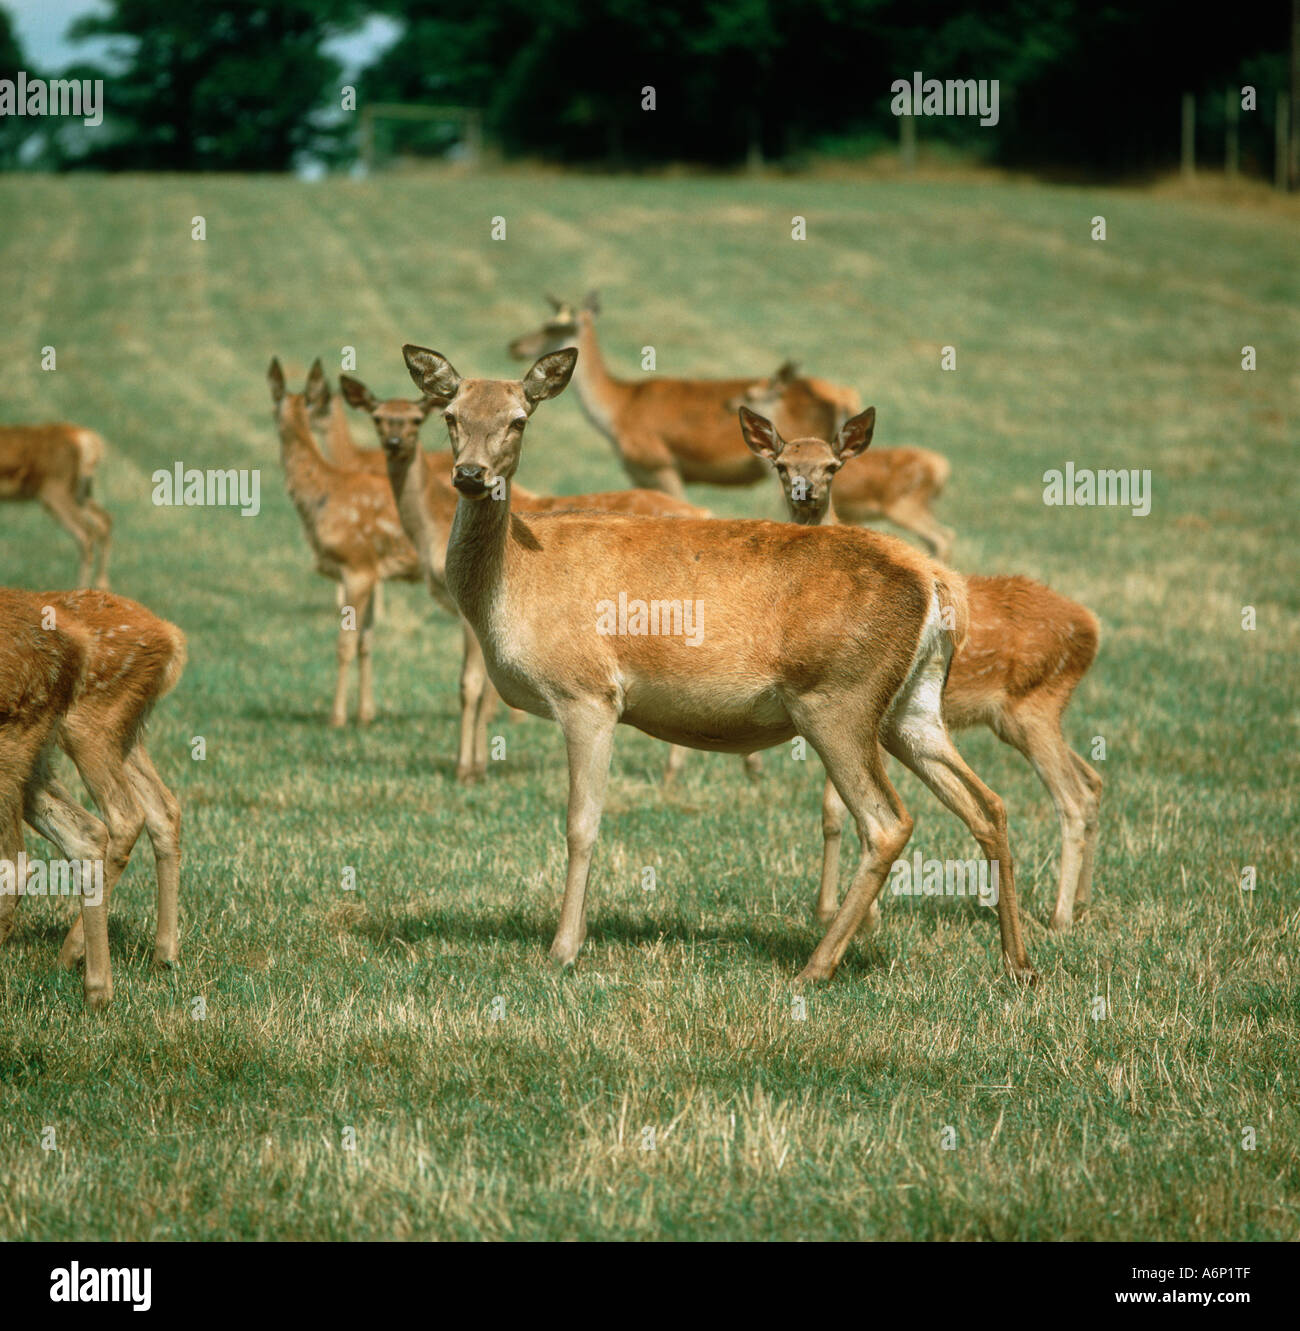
373	1010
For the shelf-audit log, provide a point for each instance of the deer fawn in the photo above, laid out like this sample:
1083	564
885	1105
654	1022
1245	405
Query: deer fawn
666	431
355	535
55	464
129	660
896	484
427	503
838	634
1025	652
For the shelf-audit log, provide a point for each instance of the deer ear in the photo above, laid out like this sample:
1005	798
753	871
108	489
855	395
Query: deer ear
591	302
760	434
551	375
318	388
787	372
554	302
427	404
433	374
356	394
275	377
855	435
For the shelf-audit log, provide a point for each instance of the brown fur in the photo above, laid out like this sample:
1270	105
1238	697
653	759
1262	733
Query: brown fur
666	430
1025	651
354	532
898	485
834	634
130	659
426	502
55	465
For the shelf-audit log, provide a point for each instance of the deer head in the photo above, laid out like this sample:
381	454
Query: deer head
765	394
807	467
397	421
486	417
559	331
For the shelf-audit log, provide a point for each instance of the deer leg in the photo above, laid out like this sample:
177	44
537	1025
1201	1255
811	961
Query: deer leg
487	709
474	687
78	835
378	599
23	768
853	765
11	844
753	763
676	761
365	661
914	516
914	733
589	740
101	525
1091	800
103	770
162	820
650	466
1039	738
64	510
833	812
356	593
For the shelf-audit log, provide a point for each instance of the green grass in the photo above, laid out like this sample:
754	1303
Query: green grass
372	1010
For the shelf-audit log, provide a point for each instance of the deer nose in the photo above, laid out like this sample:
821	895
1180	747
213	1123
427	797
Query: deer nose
469	478
393	440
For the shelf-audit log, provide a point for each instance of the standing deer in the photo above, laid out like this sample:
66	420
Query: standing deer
667	431
355	535
131	659
41	669
896	484
55	465
426	503
1025	652
838	634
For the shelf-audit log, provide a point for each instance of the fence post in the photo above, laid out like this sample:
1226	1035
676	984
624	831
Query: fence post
1189	135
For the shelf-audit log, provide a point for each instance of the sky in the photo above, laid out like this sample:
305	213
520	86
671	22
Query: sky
41	24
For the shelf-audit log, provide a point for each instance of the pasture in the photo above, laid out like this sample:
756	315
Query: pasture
671	1087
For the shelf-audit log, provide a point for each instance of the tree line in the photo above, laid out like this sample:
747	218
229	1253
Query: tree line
1084	87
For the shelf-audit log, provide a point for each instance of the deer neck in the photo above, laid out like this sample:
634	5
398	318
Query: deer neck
425	527
599	394
476	559
343	447
825	519
306	473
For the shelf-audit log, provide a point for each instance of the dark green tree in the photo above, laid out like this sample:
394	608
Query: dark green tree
13	129
219	84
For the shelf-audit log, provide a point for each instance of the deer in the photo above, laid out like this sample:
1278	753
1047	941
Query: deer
354	533
1026	650
667	431
133	659
838	634
426	502
42	666
55	464
897	485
